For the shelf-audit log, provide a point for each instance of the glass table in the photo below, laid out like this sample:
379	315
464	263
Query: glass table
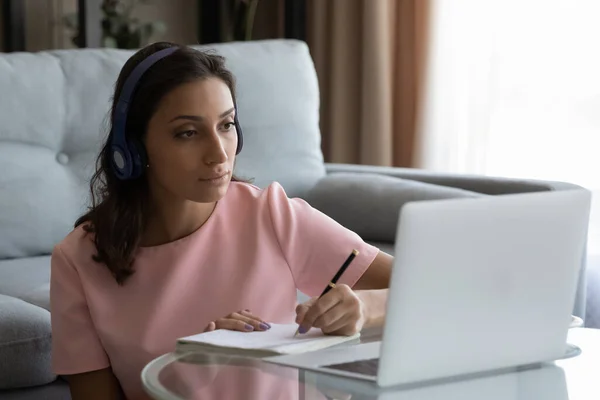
211	376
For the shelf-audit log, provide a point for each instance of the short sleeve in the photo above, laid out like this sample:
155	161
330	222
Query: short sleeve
76	347
314	245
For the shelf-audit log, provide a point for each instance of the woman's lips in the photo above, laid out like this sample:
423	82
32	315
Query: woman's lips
217	180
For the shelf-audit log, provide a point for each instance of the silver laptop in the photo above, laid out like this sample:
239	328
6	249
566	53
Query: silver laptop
477	285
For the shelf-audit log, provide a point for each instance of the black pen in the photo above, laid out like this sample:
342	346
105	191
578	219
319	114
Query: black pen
337	276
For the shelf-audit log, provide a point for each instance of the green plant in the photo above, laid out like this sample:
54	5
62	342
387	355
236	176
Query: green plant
120	29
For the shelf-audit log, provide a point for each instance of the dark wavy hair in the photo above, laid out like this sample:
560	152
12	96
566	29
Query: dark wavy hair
118	212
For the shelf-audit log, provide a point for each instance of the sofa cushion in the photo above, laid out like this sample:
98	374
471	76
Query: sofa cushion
25	339
57	390
27	279
369	204
48	155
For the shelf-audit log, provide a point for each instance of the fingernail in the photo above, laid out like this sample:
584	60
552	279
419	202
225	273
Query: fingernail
302	330
249	327
264	326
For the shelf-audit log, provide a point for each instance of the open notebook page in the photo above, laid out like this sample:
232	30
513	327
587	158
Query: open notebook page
278	338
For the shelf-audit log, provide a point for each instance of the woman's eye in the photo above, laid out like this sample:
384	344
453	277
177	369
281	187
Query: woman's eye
228	126
186	134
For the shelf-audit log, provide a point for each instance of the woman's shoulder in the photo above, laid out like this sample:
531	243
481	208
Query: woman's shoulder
77	245
270	204
251	198
247	191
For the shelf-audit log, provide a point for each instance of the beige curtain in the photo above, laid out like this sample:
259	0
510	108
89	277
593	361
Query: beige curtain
369	56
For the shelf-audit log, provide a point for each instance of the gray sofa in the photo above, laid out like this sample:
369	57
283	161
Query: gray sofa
53	108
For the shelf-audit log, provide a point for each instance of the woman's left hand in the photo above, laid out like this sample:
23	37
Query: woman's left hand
340	311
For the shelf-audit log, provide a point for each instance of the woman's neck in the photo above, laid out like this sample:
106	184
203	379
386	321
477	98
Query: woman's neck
175	219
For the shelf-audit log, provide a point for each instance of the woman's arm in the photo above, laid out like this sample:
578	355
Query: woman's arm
377	275
346	311
95	385
372	289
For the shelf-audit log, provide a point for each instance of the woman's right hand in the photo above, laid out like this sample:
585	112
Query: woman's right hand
243	321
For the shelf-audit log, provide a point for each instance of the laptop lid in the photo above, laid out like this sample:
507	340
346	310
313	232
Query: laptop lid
480	284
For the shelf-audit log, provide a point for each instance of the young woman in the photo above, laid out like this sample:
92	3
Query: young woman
174	244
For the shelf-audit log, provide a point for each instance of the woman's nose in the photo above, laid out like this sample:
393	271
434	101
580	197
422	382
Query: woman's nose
216	153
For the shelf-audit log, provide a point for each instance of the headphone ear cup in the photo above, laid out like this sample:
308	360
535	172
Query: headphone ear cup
139	157
120	162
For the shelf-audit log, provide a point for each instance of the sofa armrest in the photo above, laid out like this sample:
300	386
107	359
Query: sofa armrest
476	183
372	209
369	204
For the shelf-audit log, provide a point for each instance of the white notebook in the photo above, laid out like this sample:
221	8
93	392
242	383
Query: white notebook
275	341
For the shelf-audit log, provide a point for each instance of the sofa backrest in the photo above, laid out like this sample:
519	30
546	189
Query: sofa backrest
53	120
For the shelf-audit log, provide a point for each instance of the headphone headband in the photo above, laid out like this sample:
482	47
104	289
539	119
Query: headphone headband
122	106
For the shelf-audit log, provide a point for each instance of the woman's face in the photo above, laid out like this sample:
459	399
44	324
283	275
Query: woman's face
191	141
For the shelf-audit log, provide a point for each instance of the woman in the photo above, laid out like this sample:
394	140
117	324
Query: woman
174	244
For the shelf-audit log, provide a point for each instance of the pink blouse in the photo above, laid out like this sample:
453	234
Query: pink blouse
254	251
